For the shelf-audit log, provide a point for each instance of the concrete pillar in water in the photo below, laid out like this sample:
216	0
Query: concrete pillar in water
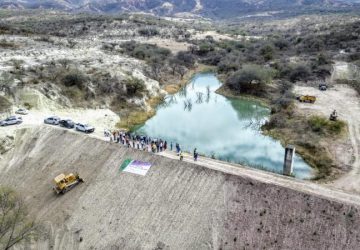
289	160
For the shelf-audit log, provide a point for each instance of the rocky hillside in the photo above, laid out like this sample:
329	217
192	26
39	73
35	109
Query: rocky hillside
224	8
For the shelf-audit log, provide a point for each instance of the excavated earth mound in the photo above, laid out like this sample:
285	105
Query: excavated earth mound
177	205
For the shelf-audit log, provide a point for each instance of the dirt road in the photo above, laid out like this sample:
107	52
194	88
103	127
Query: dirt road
267	177
101	119
346	101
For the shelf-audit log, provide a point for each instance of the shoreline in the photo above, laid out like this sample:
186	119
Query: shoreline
291	137
137	118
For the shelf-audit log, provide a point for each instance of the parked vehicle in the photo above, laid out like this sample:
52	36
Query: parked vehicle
323	86
22	111
84	128
67	123
53	120
333	116
12	120
306	98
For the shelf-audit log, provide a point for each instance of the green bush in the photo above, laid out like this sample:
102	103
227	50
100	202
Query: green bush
205	48
267	52
145	51
74	79
250	79
4	104
134	86
148	32
186	59
322	125
300	72
281	44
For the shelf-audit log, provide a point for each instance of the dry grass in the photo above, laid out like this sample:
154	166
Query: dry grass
172	88
4	104
8	45
312	137
155	101
135	118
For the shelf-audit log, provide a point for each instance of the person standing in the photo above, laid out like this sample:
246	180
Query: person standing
157	146
195	154
171	146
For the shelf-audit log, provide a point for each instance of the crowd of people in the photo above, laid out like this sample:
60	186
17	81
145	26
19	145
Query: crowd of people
145	143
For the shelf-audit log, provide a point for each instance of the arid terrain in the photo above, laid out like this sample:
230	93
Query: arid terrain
112	71
211	206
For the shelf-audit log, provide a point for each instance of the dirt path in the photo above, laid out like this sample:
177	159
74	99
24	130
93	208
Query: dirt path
267	177
346	101
101	119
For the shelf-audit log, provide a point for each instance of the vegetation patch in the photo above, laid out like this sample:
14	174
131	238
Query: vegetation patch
4	104
310	135
134	86
324	126
251	79
15	224
8	45
132	119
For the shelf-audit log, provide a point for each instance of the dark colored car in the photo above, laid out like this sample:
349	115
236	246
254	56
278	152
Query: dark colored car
67	123
323	86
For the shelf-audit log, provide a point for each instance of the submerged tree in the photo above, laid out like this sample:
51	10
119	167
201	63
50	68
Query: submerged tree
15	226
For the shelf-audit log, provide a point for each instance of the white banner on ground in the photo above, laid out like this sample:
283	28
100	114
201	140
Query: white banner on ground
138	167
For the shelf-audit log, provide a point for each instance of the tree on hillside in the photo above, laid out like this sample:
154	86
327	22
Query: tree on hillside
15	226
250	79
134	86
300	73
185	58
267	52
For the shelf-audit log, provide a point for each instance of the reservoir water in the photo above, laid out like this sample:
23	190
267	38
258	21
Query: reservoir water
225	128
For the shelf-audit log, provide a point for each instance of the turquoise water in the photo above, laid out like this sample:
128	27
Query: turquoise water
226	128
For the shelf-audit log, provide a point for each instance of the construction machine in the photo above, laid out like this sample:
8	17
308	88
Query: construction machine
307	98
64	183
333	116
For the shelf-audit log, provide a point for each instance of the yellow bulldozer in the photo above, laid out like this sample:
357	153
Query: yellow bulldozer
64	183
306	98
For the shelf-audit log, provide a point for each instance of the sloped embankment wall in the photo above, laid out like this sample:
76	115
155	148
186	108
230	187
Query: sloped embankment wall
176	205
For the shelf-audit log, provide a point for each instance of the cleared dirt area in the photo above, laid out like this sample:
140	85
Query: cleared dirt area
346	101
177	205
